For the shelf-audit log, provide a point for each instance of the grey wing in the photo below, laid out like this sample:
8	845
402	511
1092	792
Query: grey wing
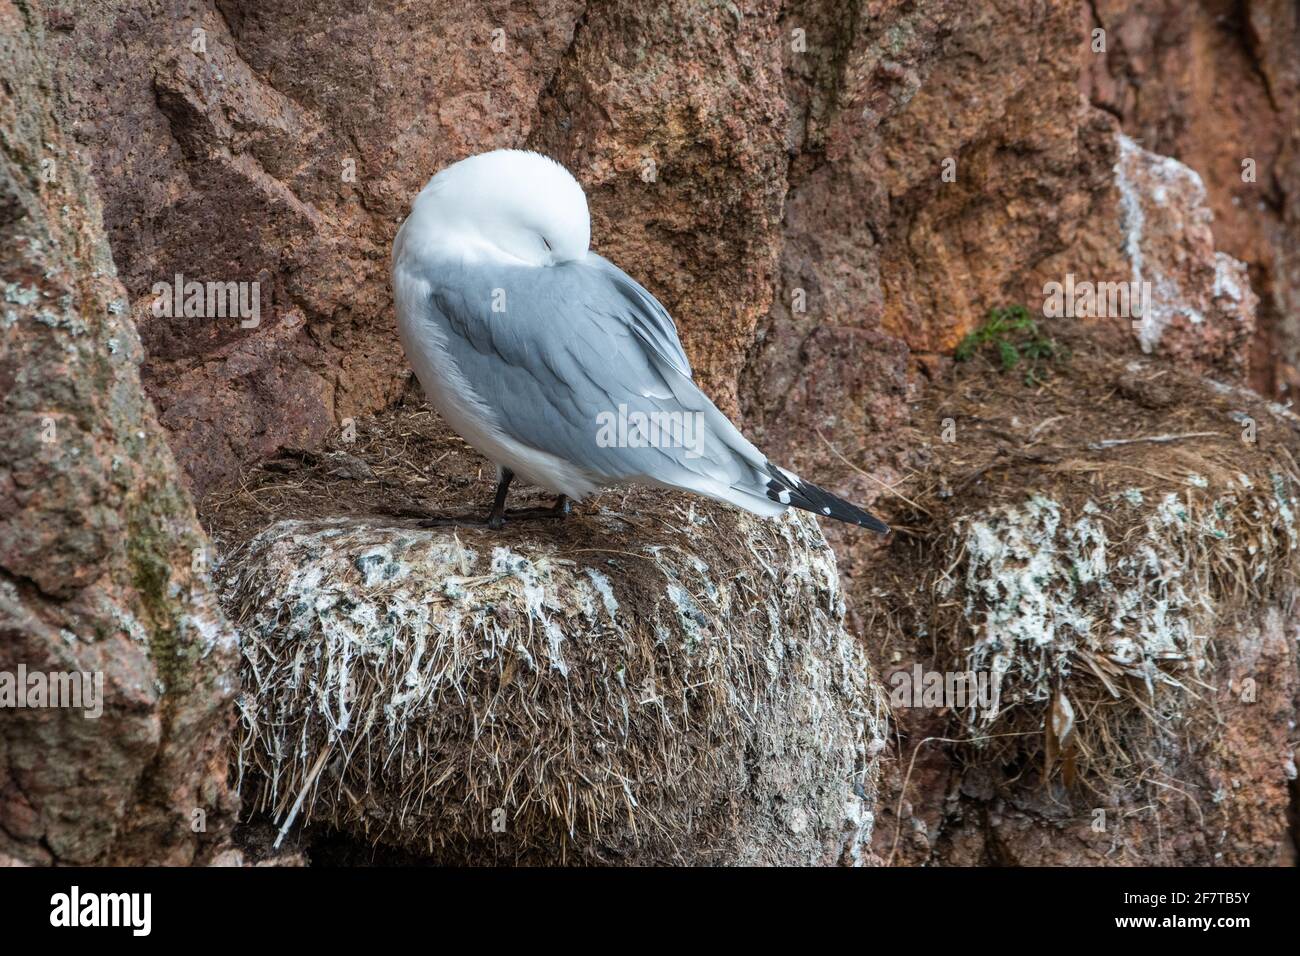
648	320
559	352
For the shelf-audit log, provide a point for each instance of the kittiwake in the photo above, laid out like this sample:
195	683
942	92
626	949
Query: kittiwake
553	362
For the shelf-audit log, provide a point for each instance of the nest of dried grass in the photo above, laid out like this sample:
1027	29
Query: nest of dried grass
656	680
1084	543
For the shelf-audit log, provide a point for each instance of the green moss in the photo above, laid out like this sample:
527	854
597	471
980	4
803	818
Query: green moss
151	559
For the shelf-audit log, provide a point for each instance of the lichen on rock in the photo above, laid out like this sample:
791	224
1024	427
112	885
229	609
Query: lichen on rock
1200	306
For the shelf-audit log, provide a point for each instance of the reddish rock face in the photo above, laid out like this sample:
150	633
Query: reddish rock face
1217	86
939	157
104	590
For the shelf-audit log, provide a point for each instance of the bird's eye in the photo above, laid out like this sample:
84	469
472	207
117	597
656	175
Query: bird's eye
548	243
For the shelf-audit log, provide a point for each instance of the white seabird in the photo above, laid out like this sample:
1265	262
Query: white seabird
553	362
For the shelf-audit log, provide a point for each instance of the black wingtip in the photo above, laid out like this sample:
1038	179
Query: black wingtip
794	491
872	523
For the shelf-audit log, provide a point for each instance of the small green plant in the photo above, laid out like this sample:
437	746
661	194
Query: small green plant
1016	338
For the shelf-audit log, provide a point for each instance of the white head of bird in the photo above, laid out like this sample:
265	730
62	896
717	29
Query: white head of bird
509	206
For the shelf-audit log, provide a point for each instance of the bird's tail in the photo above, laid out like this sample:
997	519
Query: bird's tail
790	489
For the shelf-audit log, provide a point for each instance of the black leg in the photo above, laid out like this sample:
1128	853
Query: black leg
497	517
